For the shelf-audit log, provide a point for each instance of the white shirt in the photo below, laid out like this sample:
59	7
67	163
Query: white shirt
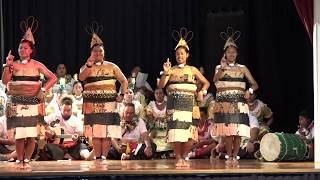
3	127
154	110
309	133
253	121
3	131
134	135
73	125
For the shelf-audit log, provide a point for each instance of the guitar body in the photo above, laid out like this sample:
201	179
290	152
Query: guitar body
59	136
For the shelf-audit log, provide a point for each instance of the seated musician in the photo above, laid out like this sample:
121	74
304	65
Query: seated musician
306	132
135	142
65	132
7	148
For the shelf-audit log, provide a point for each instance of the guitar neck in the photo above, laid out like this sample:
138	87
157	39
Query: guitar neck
65	136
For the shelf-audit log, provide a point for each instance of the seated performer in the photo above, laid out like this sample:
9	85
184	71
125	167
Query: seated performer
7	148
135	142
129	98
262	112
65	81
306	131
25	109
157	124
205	144
249	146
68	124
78	99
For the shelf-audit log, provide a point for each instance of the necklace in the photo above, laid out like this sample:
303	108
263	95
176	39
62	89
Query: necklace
160	105
78	97
252	103
24	61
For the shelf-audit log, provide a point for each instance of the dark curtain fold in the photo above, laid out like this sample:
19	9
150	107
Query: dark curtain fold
305	10
1	34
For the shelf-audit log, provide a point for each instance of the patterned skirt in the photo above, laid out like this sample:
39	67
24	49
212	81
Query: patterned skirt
24	117
182	115
231	115
101	120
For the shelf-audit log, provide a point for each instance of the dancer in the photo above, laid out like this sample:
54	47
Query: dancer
25	109
230	109
101	120
181	88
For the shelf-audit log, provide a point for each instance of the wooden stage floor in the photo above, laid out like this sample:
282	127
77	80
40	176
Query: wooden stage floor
155	167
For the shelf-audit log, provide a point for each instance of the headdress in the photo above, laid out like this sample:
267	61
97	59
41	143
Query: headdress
94	30
29	26
182	37
230	37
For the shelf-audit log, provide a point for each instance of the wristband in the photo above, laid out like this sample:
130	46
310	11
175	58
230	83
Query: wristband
43	89
7	65
251	90
205	92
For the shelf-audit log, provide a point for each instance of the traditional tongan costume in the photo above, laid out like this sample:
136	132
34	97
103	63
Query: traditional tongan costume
182	112
101	118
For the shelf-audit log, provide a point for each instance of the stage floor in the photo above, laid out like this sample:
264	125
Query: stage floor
155	167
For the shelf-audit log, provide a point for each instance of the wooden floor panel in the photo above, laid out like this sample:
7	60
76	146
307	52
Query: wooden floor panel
155	167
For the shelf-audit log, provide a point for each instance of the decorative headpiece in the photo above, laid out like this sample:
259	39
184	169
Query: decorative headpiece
29	26
94	30
182	37
230	37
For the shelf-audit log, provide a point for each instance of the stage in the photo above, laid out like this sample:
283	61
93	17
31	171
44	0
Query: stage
163	169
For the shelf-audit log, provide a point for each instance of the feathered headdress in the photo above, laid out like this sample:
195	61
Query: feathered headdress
182	37
29	26
230	36
94	30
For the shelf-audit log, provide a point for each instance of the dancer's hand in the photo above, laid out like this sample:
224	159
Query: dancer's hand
200	96
90	61
223	62
10	58
41	96
247	95
167	66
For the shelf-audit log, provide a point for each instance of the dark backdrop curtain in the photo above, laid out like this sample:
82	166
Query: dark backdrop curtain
1	33
273	45
305	11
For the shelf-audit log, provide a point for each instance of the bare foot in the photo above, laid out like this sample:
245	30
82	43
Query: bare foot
19	165
125	156
235	161
103	160
228	161
185	163
179	163
26	164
